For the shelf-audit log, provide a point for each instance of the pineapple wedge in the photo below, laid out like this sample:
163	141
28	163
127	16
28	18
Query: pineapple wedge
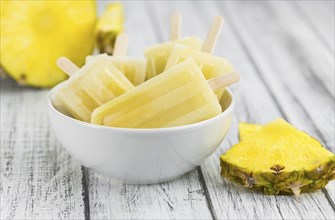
279	159
35	33
109	26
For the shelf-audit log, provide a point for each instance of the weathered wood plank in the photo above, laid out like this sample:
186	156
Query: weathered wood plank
308	102
245	33
37	175
38	179
321	18
179	199
308	62
288	67
307	44
183	198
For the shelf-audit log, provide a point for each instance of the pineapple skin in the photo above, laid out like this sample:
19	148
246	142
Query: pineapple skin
271	183
278	181
34	34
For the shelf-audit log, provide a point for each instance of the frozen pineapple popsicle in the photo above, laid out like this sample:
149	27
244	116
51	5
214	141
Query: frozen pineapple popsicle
158	55
179	96
96	83
210	65
133	68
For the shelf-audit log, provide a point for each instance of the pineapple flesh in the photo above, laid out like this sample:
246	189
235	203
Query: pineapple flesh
245	129
35	33
279	159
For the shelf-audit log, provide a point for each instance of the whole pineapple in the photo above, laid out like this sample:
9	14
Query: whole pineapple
35	33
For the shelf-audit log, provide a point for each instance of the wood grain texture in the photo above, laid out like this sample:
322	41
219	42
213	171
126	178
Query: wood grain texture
307	70
39	180
179	199
255	103
289	71
284	52
321	18
228	200
295	68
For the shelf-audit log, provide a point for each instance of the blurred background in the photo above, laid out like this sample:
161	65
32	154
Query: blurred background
289	24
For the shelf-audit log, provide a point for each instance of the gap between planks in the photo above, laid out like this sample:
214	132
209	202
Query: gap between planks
86	194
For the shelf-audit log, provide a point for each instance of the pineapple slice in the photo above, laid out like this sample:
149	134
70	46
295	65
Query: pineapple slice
109	26
279	159
246	129
35	33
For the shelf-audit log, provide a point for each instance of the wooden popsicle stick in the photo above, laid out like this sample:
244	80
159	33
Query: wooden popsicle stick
223	81
175	26
121	45
213	35
67	66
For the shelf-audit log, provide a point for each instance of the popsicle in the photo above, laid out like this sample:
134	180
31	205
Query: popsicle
133	68
158	55
210	65
179	96
96	83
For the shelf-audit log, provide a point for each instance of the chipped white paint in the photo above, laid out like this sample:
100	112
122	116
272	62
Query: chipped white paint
38	178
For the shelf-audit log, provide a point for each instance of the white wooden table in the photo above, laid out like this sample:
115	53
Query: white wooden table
284	52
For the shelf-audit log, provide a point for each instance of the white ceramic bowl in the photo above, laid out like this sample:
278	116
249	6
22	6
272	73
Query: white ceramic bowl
141	156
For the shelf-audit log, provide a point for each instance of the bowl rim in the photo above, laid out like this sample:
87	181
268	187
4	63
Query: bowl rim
227	111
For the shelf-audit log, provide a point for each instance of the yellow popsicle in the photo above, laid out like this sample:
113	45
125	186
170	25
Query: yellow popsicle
210	65
176	97
158	55
96	83
133	68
